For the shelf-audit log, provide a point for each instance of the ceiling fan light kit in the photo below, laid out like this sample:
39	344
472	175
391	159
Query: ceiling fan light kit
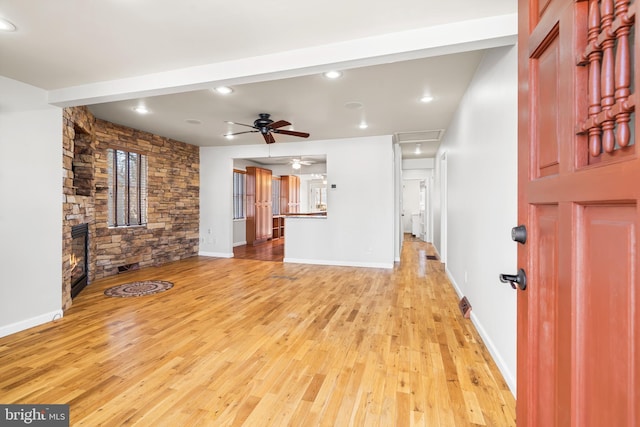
267	127
6	25
298	163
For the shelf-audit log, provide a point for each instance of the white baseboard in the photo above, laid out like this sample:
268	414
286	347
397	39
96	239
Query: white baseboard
509	376
216	254
30	323
240	244
339	263
437	253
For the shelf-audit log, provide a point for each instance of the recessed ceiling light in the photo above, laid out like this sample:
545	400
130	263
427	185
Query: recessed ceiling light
333	74
426	99
194	121
363	125
223	90
6	25
229	136
141	109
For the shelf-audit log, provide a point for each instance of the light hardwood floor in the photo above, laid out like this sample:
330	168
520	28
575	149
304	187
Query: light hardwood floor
254	343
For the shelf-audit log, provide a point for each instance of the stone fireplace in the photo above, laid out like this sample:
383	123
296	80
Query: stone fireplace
171	232
79	260
78	228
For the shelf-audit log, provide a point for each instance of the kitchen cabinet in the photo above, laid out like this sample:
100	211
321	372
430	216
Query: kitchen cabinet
258	212
278	227
289	194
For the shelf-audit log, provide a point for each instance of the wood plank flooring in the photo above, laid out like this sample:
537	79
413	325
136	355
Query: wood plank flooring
243	342
271	250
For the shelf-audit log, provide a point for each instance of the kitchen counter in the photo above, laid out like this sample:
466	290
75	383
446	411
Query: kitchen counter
306	215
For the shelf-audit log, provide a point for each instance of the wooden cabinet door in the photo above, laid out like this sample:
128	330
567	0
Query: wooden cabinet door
284	194
250	208
294	194
258	213
266	216
290	194
579	188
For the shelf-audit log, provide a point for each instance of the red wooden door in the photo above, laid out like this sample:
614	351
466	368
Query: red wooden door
579	187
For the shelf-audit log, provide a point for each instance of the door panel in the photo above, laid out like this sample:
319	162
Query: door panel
544	307
605	305
545	69
579	192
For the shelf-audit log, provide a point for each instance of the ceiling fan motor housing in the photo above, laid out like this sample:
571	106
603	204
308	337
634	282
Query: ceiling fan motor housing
263	122
266	127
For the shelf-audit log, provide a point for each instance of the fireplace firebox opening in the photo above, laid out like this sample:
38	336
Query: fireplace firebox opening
79	258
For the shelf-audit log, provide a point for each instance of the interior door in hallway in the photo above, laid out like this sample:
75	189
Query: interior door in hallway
579	186
410	203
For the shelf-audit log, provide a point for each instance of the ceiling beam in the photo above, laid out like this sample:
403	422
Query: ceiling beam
401	46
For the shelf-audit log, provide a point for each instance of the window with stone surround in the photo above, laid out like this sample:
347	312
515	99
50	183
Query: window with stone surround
127	197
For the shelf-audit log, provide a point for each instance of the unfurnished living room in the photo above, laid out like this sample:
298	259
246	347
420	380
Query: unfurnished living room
278	213
353	324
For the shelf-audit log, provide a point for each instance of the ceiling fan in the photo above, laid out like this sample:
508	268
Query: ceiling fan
267	127
297	163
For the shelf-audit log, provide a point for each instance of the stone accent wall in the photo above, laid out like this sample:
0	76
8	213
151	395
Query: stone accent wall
78	145
172	231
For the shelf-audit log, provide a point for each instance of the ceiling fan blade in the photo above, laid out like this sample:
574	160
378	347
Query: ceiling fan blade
268	138
240	133
241	124
292	132
279	124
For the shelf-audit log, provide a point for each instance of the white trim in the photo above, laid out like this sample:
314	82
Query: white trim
488	342
30	323
339	263
437	253
502	366
453	283
216	254
239	243
444	207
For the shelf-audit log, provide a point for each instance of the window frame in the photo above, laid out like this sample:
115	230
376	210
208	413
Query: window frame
239	195
276	190
139	188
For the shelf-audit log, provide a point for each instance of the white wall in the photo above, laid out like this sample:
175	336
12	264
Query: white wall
417	164
239	232
398	236
358	229
481	150
31	208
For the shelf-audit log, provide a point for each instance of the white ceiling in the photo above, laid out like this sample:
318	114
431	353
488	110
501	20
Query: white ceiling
116	54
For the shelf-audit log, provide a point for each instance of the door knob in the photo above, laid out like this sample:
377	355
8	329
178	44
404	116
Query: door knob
519	280
519	234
